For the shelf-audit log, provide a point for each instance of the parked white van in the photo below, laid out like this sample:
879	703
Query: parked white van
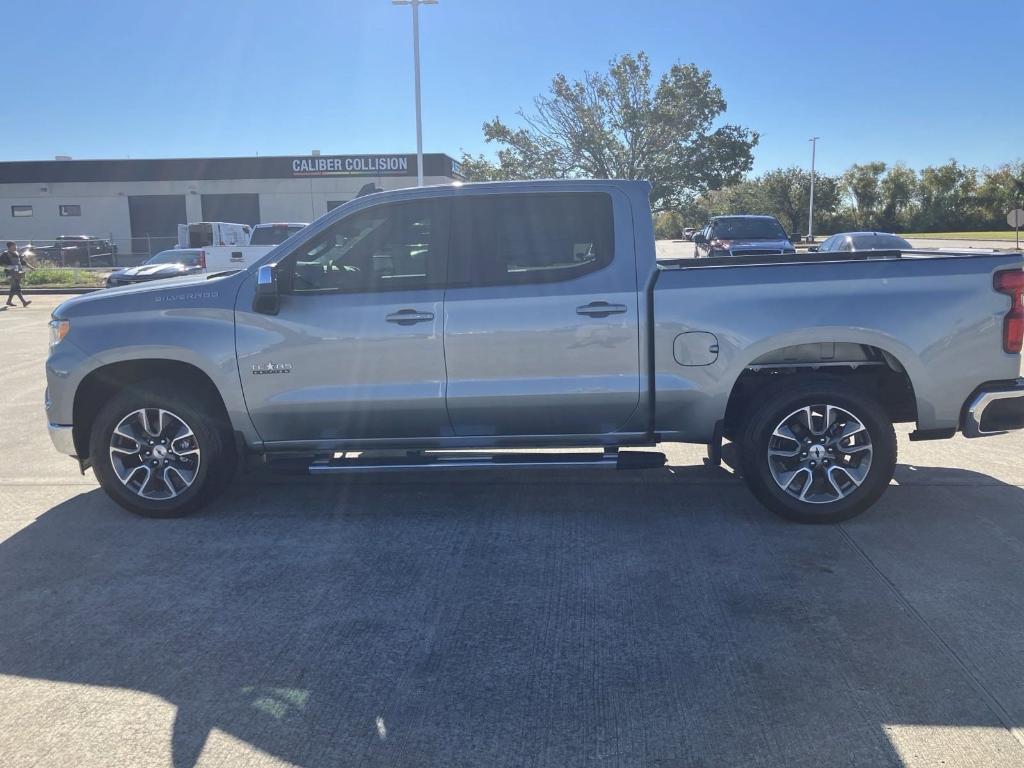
203	234
225	246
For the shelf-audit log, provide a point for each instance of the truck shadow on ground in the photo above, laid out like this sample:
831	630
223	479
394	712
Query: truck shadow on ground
564	619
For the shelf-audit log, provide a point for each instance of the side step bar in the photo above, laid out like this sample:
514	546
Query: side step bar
610	459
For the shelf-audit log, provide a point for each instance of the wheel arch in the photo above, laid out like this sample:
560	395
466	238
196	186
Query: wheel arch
873	367
103	382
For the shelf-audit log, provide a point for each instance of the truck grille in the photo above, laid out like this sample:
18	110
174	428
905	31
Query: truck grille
757	252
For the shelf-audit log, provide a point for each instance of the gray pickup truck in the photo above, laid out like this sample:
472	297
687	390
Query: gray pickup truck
433	328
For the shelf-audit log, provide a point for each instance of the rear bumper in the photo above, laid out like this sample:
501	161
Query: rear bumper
995	409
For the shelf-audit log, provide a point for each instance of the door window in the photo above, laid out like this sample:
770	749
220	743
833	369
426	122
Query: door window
514	239
385	248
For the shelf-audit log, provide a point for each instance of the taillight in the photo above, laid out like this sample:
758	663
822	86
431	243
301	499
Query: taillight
202	259
1011	282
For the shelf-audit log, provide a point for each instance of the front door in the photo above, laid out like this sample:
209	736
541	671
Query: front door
356	351
542	325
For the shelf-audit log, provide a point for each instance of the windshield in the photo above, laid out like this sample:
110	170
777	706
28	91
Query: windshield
880	242
188	258
748	229
273	235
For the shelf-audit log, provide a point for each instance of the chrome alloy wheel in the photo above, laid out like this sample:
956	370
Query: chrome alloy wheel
820	454
154	454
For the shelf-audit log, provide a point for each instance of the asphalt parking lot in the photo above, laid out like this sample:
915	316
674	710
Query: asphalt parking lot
656	618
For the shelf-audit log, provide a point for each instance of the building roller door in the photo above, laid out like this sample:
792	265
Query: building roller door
236	209
154	221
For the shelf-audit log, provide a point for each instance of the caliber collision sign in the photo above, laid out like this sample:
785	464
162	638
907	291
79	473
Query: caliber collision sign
353	165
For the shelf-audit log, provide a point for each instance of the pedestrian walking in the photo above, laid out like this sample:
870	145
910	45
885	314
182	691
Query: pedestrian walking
15	267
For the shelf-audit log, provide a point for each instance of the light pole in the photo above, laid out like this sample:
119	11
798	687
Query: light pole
810	212
416	68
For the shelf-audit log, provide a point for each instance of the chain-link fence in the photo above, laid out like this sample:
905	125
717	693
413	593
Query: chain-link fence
94	252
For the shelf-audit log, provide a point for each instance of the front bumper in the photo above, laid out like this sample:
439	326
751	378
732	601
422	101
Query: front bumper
63	439
995	409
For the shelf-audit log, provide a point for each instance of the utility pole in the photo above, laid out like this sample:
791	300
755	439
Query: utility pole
416	69
810	213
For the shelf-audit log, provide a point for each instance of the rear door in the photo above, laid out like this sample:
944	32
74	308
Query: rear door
541	315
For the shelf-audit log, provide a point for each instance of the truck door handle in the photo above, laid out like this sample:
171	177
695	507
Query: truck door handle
409	317
601	309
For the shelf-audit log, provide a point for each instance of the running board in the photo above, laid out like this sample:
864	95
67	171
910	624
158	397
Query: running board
610	459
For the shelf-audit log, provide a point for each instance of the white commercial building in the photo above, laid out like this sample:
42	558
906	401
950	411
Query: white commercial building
139	203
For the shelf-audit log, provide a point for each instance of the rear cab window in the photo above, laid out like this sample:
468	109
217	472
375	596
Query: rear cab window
273	235
530	238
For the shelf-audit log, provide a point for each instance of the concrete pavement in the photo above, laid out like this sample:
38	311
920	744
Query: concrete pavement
488	619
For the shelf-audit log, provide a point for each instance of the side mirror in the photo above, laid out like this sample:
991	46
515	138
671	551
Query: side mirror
813	249
267	300
698	237
796	237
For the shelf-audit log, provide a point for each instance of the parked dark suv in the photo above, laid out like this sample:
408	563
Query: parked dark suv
75	251
742	236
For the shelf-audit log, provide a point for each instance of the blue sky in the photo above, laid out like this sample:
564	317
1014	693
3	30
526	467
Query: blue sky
917	82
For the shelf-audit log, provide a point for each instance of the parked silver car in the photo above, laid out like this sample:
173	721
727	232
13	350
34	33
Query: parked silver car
178	262
862	241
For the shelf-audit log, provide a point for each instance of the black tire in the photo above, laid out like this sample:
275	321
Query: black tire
216	460
786	399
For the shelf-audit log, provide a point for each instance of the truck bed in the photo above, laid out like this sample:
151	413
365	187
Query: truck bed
934	316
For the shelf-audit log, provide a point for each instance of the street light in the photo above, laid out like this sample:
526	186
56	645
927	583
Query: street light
810	213
416	68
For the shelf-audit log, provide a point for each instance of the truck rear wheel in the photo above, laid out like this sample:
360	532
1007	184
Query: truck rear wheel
157	454
819	451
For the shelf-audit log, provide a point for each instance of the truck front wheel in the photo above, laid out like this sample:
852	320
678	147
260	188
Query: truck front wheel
818	451
157	454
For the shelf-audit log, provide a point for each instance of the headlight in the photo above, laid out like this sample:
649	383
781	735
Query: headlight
58	330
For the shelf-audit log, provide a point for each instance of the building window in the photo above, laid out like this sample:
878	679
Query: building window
70	210
21	210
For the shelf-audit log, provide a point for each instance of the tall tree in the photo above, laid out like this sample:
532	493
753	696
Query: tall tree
788	193
621	125
898	192
1000	191
863	183
947	195
479	168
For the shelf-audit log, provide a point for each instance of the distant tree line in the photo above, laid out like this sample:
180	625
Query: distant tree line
869	196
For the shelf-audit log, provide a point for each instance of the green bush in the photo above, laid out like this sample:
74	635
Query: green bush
52	276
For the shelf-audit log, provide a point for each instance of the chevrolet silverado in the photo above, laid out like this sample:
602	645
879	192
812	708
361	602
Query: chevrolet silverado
435	328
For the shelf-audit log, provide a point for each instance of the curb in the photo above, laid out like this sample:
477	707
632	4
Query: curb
57	291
